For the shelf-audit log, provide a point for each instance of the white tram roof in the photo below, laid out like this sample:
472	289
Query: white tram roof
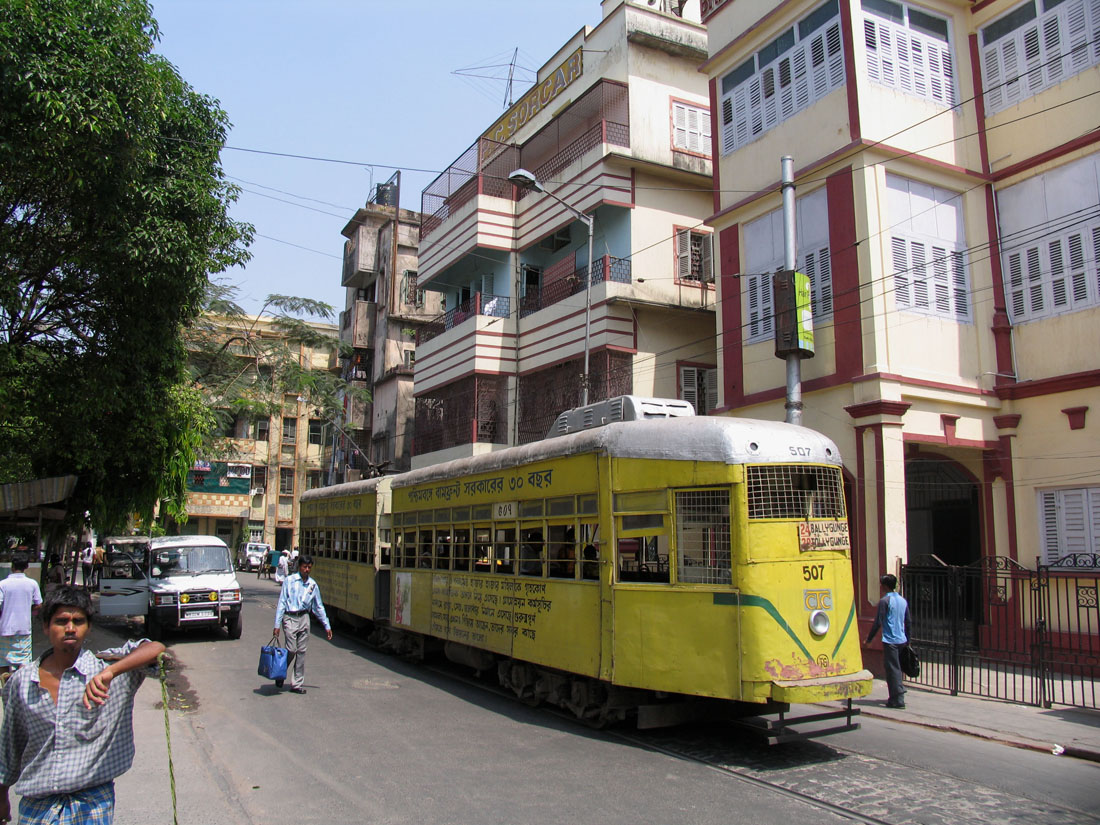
364	486
687	438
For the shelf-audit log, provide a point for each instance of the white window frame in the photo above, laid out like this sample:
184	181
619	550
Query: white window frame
690	128
782	86
690	384
927	254
1054	43
685	271
902	56
813	258
1069	522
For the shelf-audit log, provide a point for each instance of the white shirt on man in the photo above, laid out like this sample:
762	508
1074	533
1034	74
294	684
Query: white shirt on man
18	595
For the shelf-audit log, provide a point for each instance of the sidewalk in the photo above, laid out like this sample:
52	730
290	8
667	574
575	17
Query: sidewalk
1077	730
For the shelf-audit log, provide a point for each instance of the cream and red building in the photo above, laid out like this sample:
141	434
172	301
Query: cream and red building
948	187
616	127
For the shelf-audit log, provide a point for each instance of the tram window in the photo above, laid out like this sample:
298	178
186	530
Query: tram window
587	505
460	514
442	550
531	556
409	559
590	553
646	521
483	512
645	500
560	506
366	552
703	536
483	549
563	551
529	509
424	555
644	559
504	549
462	550
442	516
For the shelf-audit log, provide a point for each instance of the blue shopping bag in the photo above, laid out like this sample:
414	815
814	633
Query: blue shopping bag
272	661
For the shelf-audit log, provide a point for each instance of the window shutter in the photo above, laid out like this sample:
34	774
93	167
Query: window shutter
679	126
1077	33
1033	60
1074	522
940	287
1052	42
1096	257
1036	303
994	77
958	282
1057	273
760	305
902	297
689	382
1093	496
710	376
918	274
1017	301
706	273
683	254
1048	516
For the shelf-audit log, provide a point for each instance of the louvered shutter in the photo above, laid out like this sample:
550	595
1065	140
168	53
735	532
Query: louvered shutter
1073	522
689	383
994	77
958	284
710	377
706	271
1017	301
760	306
1096	257
1035	298
1048	516
918	275
900	253
939	281
1077	32
1093	513
679	126
1059	292
1052	43
683	254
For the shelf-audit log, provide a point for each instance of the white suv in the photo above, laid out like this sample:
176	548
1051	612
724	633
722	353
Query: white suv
250	555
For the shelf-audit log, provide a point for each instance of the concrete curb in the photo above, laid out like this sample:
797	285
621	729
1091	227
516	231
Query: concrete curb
1003	737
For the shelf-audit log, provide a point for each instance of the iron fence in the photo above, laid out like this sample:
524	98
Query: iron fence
996	628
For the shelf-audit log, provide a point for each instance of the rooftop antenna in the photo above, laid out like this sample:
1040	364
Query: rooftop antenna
490	73
511	75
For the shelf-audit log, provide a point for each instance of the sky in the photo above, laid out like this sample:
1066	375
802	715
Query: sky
378	86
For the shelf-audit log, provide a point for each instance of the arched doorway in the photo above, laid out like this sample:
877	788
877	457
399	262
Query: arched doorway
942	510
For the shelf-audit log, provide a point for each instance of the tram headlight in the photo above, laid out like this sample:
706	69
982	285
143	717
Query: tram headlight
819	622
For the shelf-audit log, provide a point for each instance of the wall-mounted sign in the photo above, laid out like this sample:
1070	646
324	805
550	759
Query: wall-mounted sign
533	102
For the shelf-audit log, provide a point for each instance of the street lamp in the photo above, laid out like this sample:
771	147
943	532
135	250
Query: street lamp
526	180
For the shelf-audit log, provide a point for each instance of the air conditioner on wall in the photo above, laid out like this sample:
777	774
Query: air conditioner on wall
256	491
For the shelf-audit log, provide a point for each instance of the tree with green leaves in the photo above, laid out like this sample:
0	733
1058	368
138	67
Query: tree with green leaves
245	366
115	211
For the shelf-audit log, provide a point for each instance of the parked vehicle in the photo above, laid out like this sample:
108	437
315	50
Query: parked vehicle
176	582
251	554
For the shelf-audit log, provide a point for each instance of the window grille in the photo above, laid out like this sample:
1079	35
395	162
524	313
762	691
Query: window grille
798	68
703	536
908	50
1024	52
795	491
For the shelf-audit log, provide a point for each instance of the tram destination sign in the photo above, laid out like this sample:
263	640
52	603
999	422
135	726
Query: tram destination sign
824	535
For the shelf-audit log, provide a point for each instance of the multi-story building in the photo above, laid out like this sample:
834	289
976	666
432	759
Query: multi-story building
252	495
948	215
616	131
385	306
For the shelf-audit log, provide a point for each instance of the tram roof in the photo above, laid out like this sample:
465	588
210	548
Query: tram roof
694	438
361	487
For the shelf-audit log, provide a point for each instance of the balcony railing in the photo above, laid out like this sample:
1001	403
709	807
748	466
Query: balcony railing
556	288
600	116
495	306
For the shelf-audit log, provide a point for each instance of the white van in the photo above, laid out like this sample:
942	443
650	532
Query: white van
251	555
176	582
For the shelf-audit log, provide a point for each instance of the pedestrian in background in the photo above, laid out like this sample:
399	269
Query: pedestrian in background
283	568
19	601
62	752
892	618
55	573
299	597
98	559
87	557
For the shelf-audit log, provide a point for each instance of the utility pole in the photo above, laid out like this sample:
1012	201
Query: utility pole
793	405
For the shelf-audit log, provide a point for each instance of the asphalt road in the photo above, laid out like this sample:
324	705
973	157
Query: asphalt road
380	740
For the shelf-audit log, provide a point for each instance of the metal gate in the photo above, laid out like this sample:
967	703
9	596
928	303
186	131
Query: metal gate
996	628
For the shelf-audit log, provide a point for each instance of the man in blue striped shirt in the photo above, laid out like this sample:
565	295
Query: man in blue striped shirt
299	597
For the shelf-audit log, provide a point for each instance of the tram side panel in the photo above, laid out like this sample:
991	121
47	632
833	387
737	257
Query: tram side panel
549	621
676	627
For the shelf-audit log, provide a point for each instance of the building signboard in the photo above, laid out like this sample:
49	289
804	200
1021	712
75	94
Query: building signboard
533	102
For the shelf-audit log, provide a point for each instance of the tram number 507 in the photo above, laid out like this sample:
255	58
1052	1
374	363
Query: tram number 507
813	572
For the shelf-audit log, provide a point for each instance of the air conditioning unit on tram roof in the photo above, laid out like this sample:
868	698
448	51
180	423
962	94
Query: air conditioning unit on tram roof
620	408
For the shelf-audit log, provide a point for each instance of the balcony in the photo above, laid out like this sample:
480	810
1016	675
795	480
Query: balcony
357	325
482	169
493	306
564	279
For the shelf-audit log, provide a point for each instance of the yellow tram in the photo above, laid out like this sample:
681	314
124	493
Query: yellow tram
623	570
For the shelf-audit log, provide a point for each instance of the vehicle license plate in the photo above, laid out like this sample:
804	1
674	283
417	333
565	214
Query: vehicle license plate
201	614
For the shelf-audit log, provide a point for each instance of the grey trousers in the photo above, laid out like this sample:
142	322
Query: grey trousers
296	636
894	675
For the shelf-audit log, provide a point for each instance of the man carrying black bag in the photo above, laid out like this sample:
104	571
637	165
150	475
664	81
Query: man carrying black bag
893	619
